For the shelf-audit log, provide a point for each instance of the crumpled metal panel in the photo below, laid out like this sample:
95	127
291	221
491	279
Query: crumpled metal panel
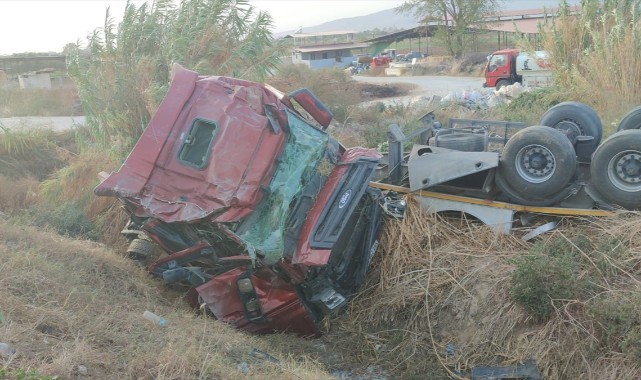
242	159
279	303
305	254
430	166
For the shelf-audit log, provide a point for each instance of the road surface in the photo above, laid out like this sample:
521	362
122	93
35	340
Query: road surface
426	86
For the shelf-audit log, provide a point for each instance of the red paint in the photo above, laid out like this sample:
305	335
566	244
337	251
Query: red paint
505	72
242	159
171	200
278	300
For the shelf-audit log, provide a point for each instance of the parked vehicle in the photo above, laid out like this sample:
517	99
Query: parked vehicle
270	224
509	66
382	60
412	55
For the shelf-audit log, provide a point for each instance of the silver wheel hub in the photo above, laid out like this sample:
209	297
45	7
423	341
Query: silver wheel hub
624	170
570	128
535	163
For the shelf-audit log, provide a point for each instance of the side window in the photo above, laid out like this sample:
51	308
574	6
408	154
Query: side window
196	146
496	61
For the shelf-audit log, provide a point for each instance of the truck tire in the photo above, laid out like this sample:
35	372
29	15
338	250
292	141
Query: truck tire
502	83
512	196
575	119
631	120
465	142
140	249
616	169
537	162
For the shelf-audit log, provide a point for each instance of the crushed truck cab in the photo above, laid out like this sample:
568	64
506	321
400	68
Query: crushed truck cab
264	218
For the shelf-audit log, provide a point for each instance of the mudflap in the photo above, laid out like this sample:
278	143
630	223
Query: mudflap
279	306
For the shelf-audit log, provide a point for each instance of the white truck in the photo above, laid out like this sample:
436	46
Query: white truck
509	66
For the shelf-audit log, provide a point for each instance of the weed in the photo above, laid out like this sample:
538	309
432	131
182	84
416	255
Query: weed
66	219
23	374
631	345
619	318
548	274
530	106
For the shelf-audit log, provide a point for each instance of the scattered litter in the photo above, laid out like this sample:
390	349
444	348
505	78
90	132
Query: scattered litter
449	350
157	320
82	370
525	371
540	230
6	350
258	354
243	368
485	98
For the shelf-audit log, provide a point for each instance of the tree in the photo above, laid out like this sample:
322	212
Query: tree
124	72
453	16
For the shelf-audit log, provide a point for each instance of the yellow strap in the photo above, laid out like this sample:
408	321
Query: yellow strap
485	202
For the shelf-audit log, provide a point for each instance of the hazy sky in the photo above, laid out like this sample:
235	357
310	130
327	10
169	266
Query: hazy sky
47	25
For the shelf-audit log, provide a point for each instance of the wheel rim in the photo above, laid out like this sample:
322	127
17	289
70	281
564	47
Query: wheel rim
535	163
570	128
624	170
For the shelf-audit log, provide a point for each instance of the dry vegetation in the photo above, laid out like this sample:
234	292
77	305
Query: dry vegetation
440	283
70	303
60	101
443	296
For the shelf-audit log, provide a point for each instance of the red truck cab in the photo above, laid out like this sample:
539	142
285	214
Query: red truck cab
265	220
500	69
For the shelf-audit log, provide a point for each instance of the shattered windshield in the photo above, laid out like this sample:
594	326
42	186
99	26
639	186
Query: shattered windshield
301	156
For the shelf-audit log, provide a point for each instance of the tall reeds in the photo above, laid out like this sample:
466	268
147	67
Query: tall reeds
597	54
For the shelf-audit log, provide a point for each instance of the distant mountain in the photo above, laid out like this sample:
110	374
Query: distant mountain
389	19
382	20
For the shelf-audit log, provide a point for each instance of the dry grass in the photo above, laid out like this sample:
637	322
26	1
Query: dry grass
68	303
17	194
597	57
15	102
440	283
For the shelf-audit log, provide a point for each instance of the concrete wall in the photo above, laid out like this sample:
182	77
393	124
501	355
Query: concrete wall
34	81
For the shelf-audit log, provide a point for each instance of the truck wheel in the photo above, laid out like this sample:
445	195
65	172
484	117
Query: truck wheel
616	169
140	249
537	162
512	196
466	142
631	120
575	119
502	83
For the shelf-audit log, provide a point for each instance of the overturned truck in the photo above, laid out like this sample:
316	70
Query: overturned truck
270	224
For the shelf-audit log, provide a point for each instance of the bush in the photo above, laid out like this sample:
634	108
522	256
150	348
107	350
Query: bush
547	276
619	318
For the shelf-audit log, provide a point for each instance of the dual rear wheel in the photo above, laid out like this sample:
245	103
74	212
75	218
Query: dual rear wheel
538	165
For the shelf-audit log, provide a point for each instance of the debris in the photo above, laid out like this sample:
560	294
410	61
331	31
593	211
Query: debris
82	370
258	354
540	230
243	368
525	371
157	320
6	350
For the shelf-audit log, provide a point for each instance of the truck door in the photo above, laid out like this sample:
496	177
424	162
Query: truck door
498	67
